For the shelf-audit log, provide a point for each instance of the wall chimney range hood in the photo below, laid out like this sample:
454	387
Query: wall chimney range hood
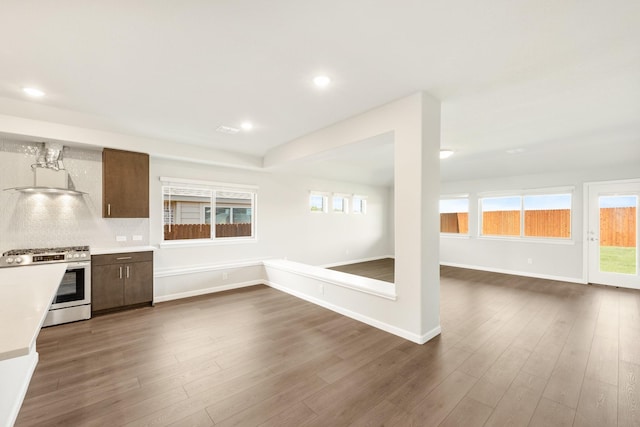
49	174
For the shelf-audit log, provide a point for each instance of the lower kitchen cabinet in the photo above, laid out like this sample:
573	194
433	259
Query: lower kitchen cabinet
121	280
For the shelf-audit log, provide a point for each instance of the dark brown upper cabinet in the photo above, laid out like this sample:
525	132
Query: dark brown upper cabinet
125	184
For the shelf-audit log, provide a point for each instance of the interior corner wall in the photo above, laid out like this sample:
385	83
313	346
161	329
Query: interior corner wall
560	261
415	122
285	226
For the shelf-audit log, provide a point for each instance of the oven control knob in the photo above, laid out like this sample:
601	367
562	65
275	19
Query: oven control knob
18	260
83	255
76	256
9	260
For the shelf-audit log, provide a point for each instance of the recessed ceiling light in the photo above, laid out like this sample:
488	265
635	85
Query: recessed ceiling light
227	129
32	91
246	126
321	81
445	153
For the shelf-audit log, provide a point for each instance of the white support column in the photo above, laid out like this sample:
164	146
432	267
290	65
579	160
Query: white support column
417	189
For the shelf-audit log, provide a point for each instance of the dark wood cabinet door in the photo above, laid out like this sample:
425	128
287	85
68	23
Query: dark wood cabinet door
138	287
125	184
107	286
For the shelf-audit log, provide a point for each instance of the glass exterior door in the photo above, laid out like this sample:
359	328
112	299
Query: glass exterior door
612	236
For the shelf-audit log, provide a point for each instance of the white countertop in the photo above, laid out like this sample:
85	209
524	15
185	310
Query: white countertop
26	294
121	249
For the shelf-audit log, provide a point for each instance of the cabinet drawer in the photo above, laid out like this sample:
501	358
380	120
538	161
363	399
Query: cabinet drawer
121	258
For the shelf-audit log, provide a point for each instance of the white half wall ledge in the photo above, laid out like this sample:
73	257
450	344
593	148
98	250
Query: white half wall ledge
402	333
358	283
298	271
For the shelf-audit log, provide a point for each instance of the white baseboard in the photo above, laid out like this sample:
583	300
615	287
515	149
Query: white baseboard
516	273
418	339
210	290
355	261
430	335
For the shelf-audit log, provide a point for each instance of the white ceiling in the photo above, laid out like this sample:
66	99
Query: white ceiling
529	74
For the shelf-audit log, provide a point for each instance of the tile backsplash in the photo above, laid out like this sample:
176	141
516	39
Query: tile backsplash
49	220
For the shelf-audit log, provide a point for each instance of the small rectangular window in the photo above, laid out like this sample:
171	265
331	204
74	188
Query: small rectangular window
317	202
454	216
340	204
359	205
501	215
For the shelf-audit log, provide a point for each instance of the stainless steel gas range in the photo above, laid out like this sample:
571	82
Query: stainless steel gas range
73	299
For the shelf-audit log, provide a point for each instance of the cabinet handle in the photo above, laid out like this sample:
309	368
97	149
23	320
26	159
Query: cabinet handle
124	257
108	209
121	272
127	271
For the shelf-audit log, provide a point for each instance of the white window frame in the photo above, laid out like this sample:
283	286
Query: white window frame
363	204
555	191
325	201
214	187
345	203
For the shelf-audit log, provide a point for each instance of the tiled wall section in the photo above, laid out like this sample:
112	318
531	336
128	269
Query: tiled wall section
48	220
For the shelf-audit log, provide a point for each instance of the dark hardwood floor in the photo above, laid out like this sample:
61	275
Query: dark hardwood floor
381	269
513	351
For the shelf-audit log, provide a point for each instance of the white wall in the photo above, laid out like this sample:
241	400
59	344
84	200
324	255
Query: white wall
285	226
553	260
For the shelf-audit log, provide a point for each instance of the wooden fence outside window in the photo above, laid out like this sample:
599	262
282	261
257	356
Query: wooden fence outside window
617	225
203	231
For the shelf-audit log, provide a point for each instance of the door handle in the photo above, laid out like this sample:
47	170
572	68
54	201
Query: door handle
120	272
108	209
593	239
127	271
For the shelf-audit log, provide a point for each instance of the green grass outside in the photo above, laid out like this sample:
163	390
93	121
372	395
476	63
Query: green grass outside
615	259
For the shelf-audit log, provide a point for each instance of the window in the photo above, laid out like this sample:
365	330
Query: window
527	215
188	206
340	203
318	202
454	215
547	216
501	216
359	205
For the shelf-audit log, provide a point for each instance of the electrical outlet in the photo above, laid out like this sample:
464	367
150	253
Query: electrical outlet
121	238
225	275
136	237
